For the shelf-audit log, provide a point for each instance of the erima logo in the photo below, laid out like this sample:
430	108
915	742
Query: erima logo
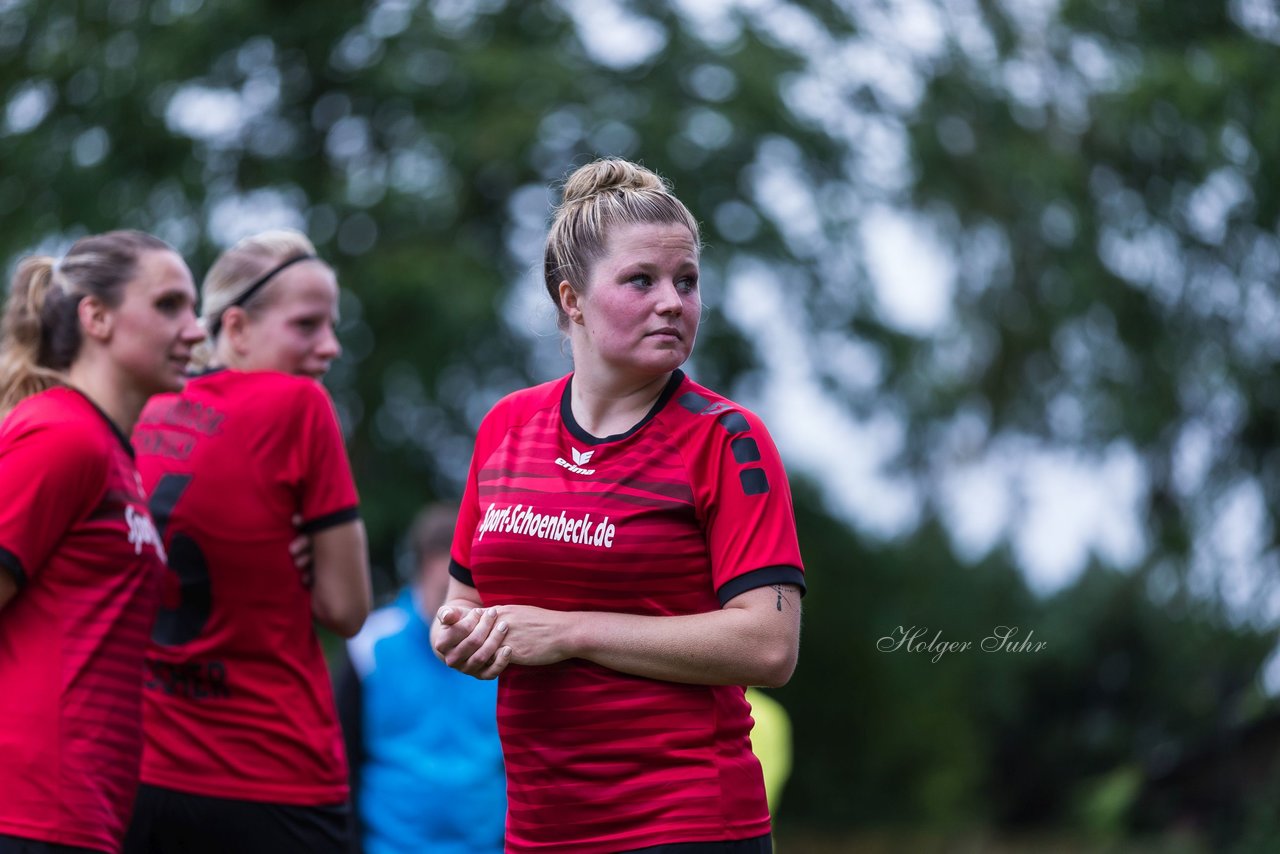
580	458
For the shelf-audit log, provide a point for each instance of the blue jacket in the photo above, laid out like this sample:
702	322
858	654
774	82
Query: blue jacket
422	741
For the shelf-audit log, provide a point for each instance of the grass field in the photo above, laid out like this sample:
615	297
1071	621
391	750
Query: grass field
901	842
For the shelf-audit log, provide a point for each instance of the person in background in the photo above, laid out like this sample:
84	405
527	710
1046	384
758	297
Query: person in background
243	751
625	559
426	763
86	339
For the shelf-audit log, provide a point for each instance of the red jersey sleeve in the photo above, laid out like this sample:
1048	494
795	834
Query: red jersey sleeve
469	511
53	476
506	414
750	522
327	494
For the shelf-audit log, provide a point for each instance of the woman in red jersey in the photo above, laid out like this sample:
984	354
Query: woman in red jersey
86	340
243	750
626	557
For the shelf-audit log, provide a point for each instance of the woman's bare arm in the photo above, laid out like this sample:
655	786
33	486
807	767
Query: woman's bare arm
342	593
753	640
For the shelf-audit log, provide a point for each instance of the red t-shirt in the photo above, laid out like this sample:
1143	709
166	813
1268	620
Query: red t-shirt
75	533
238	701
677	516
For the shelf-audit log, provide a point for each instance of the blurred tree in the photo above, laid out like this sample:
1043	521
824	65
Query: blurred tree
1100	171
1113	160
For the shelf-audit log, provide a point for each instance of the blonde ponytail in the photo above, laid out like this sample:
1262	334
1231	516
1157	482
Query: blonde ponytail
23	334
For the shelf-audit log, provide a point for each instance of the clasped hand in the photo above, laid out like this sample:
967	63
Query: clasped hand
481	642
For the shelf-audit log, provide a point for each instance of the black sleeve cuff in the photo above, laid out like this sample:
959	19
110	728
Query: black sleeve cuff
460	572
338	517
761	578
9	561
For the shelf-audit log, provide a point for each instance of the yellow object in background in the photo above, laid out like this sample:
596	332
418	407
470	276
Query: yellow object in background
771	743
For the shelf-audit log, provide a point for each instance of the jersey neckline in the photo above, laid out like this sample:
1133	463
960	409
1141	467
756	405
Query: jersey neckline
115	428
580	433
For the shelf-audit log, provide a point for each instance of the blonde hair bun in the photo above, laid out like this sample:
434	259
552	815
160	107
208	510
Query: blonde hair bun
611	174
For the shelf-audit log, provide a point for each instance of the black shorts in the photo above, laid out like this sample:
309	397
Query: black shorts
170	822
20	845
754	845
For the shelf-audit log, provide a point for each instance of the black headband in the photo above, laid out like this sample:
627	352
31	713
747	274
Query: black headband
248	292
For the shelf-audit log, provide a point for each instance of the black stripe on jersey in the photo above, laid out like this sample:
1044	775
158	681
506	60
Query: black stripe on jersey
10	561
761	578
734	422
337	517
754	481
460	572
745	449
694	402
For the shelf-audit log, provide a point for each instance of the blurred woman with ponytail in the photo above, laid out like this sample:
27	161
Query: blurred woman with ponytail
84	342
243	747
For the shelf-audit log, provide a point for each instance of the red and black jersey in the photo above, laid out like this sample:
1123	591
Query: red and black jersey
679	515
76	535
238	702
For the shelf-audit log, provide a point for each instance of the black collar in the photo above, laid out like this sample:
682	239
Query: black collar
576	429
115	428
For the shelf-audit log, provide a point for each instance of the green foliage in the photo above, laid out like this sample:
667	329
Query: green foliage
1115	237
1135	210
1007	734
